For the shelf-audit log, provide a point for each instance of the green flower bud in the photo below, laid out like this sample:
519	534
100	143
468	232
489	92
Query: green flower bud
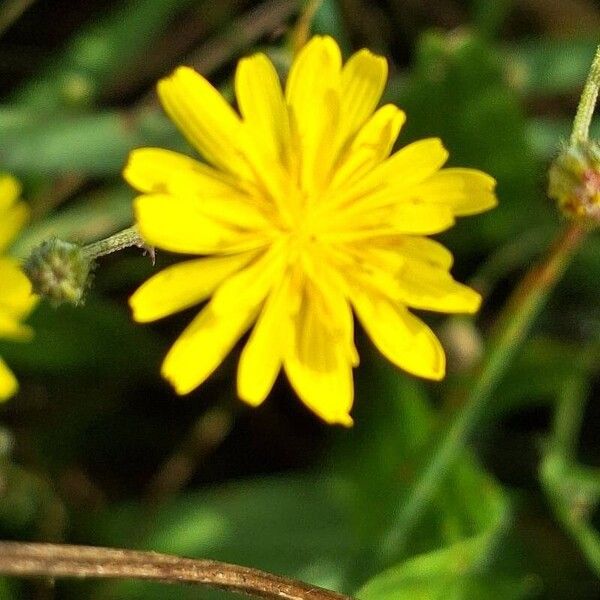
574	182
59	271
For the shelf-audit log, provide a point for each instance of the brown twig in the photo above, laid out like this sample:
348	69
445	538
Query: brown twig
57	560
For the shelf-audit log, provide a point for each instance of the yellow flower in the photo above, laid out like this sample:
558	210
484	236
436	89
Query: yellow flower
16	299
301	219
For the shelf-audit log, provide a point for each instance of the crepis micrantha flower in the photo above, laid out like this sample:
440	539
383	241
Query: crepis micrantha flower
301	218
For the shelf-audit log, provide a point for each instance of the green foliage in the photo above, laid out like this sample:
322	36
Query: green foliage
82	443
100	339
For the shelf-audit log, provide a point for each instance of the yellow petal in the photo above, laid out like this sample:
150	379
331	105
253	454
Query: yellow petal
428	287
16	299
12	220
181	225
154	170
466	191
372	144
313	96
266	129
12	329
363	81
412	164
204	117
421	219
182	285
407	218
317	363
262	105
10	190
402	338
402	172
252	284
203	345
8	382
422	249
316	69
261	357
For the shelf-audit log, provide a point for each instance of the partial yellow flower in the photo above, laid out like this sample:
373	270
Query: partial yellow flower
302	217
16	299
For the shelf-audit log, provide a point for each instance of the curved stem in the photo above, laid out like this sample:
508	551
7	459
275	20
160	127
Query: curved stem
513	325
57	560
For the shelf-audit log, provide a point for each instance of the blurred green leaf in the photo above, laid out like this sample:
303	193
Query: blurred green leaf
489	16
550	66
293	526
97	53
453	573
98	338
328	20
546	136
394	432
93	217
574	492
557	360
91	144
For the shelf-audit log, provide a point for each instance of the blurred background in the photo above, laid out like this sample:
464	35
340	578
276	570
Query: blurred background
97	449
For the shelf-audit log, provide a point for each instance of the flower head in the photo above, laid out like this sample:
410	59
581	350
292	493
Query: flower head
302	217
16	299
59	271
574	182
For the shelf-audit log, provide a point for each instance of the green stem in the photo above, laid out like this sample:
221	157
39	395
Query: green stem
123	239
513	325
587	102
568	416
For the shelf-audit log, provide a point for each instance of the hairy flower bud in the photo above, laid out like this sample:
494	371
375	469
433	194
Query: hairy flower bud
574	181
59	271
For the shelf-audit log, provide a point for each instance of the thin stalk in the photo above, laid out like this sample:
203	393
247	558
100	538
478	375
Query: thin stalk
568	417
119	241
587	103
58	560
513	325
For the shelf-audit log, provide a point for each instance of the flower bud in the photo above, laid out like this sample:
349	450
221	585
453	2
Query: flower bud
574	181
59	271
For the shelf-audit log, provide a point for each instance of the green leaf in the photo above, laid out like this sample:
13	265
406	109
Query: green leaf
453	573
94	217
395	432
97	53
98	338
293	526
557	360
89	144
550	66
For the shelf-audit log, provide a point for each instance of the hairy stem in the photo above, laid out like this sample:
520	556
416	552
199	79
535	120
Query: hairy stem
587	102
119	241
